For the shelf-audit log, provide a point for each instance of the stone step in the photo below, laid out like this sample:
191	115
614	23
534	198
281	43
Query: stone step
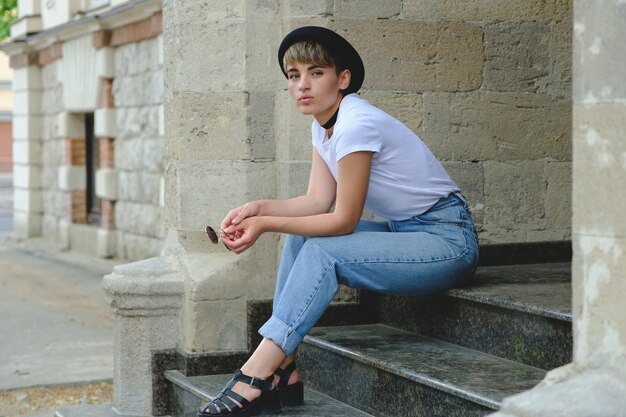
190	393
391	372
518	312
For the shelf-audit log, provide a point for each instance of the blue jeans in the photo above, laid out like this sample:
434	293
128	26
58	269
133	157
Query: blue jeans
423	255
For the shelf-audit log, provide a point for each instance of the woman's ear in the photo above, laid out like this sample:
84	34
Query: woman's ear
344	79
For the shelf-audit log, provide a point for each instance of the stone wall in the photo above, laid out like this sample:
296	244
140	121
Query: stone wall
137	91
486	87
112	82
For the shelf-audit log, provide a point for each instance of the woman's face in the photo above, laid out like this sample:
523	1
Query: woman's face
315	89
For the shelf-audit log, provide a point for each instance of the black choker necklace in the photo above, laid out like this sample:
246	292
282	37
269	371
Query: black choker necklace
331	122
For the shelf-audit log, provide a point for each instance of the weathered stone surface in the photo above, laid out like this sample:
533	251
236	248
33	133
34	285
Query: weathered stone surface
209	189
406	107
497	126
293	130
528	56
403	56
486	10
216	325
214	126
600	155
598	59
514	200
262	141
192	69
310	9
51	103
559	196
138	218
135	247
262	40
364	9
129	154
470	178
50	75
139	186
293	178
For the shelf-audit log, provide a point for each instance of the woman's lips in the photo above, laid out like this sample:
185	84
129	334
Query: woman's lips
305	99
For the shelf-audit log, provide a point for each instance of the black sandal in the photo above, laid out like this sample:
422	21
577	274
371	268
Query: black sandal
224	404
289	394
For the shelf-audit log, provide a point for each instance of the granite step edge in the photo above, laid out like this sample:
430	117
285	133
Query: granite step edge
330	406
420	378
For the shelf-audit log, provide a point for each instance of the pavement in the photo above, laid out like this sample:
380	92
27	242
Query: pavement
56	328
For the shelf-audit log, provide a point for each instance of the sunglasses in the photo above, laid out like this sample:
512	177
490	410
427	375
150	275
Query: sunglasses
214	237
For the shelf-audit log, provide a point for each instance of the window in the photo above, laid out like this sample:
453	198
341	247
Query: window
91	165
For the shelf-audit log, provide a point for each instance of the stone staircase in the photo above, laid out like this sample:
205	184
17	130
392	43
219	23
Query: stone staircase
454	354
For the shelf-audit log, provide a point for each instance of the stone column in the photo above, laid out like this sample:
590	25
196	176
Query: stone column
27	147
595	383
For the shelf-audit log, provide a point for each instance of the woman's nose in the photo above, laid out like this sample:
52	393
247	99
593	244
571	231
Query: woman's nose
304	83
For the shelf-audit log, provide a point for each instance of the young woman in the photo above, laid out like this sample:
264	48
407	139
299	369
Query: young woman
362	157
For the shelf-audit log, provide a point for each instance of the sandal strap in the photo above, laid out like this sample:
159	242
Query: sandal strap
285	374
255	382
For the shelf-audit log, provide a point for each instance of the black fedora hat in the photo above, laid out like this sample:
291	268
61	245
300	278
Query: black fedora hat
339	48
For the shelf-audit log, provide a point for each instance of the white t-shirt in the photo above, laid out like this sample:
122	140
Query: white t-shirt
405	179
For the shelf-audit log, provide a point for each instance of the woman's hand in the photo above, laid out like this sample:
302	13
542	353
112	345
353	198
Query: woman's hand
239	237
238	214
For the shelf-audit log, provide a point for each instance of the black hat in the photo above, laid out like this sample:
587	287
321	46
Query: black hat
339	48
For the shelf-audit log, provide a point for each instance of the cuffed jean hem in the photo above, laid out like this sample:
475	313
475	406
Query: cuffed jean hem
281	334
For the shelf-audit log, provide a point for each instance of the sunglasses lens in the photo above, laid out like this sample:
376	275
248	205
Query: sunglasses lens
212	234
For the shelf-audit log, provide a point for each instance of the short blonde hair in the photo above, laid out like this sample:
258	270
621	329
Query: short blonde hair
309	52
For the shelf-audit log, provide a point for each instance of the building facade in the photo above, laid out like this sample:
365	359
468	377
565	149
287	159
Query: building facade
88	127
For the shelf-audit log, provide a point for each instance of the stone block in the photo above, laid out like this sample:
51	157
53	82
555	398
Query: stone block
161	120
107	241
84	239
210	126
28	200
135	247
27	78
517	55
406	107
514	200
403	56
497	126
138	218
27	127
152	87
308	9
364	9
216	325
159	48
600	160
293	130
26	25
51	104
261	125
487	10
209	189
559	195
64	237
140	187
27	152
262	72
28	8
293	178
26	224
26	102
201	13
470	177
26	176
70	125
190	70
72	178
51	75
129	154
105	123
106	183
105	63
598	59
128	90
153	155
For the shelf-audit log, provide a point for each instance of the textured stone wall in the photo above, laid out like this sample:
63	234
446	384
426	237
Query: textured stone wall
486	86
137	92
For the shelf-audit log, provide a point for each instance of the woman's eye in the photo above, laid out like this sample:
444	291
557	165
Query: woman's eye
293	76
318	73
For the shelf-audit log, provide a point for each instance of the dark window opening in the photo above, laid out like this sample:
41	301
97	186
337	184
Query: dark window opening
92	159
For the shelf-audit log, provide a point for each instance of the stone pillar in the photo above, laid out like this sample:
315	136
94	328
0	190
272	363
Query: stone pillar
146	300
595	383
27	146
219	153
